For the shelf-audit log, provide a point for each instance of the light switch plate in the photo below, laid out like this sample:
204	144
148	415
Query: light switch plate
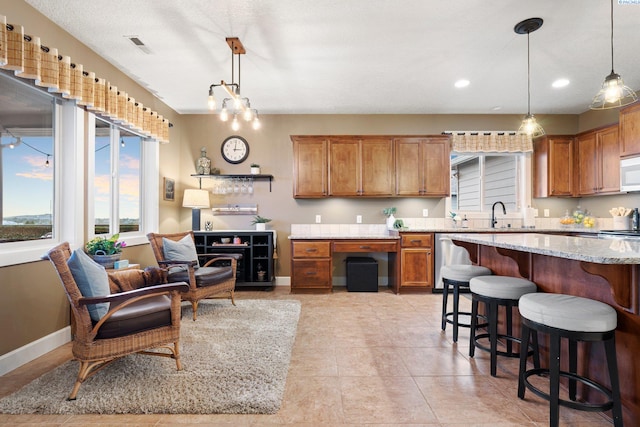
425	212
358	219
546	213
318	219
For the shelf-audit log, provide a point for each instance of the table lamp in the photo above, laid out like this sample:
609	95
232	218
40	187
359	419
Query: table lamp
195	199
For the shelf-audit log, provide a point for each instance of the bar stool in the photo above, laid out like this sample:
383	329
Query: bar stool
577	319
495	291
457	278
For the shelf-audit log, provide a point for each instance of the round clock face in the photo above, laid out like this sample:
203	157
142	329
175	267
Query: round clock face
235	149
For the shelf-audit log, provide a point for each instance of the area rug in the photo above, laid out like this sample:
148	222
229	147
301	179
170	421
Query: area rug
235	361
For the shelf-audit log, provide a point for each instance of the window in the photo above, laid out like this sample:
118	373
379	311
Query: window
27	161
480	180
117	183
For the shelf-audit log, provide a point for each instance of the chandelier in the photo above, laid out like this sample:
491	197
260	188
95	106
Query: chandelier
614	93
529	124
235	106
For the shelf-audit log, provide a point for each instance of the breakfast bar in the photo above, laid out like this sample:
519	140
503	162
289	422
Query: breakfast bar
607	270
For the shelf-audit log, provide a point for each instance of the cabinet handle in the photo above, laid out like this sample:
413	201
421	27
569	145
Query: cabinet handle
365	247
311	250
417	241
311	273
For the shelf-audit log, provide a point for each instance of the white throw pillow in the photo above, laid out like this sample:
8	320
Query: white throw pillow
92	280
182	250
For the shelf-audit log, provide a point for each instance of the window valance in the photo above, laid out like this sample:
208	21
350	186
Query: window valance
490	142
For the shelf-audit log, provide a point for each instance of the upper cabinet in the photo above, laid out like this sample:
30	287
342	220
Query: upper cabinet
553	166
422	166
370	166
598	160
630	130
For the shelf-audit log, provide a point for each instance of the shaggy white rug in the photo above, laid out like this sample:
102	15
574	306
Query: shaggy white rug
235	361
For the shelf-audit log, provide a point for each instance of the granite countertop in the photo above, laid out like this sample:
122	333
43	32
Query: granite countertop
590	249
344	237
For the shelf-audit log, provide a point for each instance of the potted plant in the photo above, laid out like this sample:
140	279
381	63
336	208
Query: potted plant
105	251
255	169
260	222
391	220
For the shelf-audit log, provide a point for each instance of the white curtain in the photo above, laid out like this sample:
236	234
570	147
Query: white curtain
490	142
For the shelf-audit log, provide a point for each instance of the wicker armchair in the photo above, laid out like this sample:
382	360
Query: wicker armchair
206	281
128	327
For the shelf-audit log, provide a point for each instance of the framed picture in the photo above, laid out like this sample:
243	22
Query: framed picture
169	189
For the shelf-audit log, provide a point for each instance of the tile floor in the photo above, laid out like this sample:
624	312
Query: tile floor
359	359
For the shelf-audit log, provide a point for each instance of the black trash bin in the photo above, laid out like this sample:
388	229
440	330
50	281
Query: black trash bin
362	274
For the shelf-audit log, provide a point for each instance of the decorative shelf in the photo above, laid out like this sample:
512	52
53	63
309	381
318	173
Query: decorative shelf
255	177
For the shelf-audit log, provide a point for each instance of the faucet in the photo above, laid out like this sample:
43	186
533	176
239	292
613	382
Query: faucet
494	221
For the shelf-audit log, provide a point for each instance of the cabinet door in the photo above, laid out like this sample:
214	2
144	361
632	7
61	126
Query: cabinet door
310	274
409	170
309	167
416	268
344	167
435	160
587	163
377	167
560	164
630	130
609	150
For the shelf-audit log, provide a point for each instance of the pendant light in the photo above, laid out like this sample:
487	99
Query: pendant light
529	124
614	93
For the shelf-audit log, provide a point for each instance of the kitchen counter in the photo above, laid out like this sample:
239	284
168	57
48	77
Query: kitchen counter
590	249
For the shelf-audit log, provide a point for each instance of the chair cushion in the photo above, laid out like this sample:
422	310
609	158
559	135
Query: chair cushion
182	250
463	272
568	312
143	315
92	281
502	287
205	276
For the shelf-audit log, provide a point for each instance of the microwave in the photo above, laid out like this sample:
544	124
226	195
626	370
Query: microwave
630	174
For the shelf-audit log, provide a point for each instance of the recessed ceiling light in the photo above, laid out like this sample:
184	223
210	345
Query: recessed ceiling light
560	83
461	83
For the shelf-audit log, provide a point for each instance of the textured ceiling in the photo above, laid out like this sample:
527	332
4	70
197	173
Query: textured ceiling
363	56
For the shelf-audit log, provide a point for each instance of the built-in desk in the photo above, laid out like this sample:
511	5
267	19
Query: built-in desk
312	265
606	270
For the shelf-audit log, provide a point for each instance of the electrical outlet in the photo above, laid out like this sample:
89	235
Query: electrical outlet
358	219
425	212
535	212
318	219
546	213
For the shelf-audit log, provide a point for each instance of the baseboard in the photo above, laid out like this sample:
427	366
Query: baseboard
283	281
33	350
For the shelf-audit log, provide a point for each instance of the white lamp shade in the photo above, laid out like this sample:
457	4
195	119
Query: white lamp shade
195	199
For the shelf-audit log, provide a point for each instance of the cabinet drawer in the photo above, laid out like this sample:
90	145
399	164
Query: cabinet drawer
311	249
311	274
365	246
416	240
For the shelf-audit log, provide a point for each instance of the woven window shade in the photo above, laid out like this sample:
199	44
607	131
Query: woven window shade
15	48
99	93
111	101
49	75
490	142
31	60
122	107
75	80
3	40
88	88
64	76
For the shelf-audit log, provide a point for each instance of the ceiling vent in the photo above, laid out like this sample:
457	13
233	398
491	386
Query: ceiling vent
139	44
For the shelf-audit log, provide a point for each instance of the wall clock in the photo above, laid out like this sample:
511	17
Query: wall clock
235	149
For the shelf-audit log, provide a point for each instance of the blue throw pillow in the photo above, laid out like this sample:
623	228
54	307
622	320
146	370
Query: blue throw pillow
182	250
92	280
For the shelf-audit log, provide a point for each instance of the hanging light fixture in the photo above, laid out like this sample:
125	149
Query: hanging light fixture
614	93
529	125
234	105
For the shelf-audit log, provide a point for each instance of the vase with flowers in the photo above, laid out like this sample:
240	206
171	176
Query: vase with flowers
105	251
391	220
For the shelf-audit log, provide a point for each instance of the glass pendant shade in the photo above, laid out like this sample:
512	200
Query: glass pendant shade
613	94
531	127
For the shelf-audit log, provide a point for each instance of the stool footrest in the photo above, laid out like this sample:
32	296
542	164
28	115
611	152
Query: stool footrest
513	354
465	325
581	406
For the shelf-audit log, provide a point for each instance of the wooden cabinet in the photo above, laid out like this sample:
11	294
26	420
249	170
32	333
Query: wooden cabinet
309	166
629	127
310	266
422	166
553	167
416	261
370	166
360	167
598	160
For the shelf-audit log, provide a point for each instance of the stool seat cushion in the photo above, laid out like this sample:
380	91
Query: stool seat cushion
568	312
502	287
463	272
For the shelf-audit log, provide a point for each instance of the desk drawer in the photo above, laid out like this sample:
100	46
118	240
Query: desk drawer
366	246
311	249
311	274
416	240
